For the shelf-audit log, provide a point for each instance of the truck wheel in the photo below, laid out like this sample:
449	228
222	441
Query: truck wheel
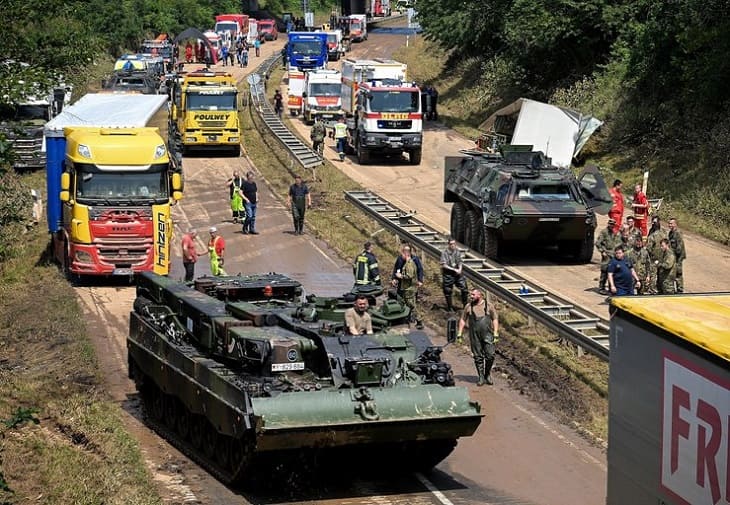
237	151
363	155
472	229
491	244
458	214
414	156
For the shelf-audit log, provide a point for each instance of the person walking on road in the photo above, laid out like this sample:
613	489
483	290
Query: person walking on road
680	254
341	137
317	135
216	251
250	199
189	254
407	278
278	103
480	318
234	194
607	241
452	275
299	200
257	47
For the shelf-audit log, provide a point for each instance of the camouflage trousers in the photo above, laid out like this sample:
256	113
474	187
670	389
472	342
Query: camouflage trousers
409	298
679	279
665	283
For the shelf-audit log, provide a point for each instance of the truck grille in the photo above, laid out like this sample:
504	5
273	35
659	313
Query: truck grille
395	125
124	252
212	124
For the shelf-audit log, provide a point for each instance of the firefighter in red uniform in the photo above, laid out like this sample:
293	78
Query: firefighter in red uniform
617	211
641	210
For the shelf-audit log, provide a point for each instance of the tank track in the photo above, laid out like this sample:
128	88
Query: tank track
159	406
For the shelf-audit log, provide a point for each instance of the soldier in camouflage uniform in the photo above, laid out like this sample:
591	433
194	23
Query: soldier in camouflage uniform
633	234
407	278
639	256
653	245
677	244
666	267
606	243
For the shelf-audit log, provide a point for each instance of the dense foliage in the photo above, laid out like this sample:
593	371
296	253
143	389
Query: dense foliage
673	54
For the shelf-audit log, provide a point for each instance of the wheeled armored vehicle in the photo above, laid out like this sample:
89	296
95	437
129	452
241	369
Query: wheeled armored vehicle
518	198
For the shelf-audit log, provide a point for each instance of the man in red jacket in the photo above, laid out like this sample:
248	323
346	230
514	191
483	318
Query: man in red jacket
617	211
641	210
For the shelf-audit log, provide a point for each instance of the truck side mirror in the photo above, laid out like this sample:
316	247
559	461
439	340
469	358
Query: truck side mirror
304	94
65	181
176	184
64	196
177	195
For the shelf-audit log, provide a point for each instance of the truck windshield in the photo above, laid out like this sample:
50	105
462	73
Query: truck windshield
394	101
226	26
324	89
332	38
308	48
93	184
266	27
355	26
211	101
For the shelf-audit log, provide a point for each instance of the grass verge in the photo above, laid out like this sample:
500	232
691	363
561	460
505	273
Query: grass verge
79	451
571	385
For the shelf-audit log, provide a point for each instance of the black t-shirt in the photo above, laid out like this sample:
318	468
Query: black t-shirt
249	191
298	191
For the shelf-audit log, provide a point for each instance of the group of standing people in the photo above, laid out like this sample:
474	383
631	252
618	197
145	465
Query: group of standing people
478	316
637	260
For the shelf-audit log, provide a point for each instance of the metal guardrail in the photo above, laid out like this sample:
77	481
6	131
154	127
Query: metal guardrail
257	82
561	316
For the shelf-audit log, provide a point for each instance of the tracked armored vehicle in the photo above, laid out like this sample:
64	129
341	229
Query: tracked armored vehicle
517	198
230	382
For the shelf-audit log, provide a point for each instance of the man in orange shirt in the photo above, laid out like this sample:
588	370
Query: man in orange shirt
640	206
617	211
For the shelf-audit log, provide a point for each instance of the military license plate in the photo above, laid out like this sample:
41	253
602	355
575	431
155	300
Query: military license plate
122	271
285	367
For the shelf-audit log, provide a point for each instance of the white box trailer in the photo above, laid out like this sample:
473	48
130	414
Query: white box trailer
669	400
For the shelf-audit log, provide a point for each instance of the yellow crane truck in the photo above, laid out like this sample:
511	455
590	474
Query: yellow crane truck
204	112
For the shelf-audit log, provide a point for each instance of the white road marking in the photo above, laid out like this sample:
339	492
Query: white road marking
434	490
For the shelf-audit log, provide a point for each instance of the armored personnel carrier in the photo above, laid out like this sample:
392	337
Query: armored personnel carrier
517	198
230	382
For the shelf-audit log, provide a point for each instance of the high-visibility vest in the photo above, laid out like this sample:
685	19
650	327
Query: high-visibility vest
340	130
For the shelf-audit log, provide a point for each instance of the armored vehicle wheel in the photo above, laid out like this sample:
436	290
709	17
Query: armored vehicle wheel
363	155
414	157
458	215
156	404
491	244
223	452
210	440
472	230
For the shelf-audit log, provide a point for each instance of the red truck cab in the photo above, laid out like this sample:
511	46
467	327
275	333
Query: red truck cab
268	29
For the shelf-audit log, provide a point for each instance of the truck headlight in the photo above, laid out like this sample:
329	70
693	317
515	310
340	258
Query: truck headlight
84	151
83	257
190	139
160	151
370	138
232	139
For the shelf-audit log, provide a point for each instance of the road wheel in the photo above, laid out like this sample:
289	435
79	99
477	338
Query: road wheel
363	155
472	230
458	214
182	423
414	157
197	427
491	244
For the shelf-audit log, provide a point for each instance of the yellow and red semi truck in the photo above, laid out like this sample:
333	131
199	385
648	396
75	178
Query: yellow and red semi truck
111	183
